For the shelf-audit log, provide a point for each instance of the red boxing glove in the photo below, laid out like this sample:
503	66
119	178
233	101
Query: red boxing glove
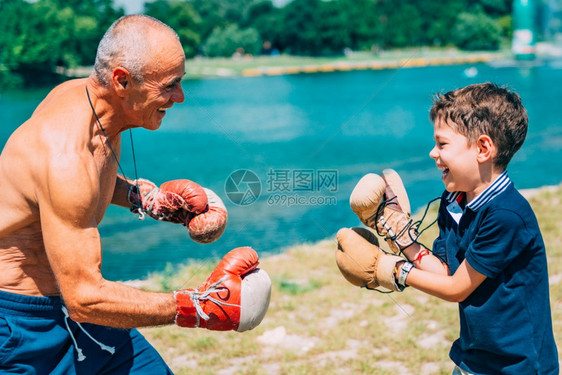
209	225
235	297
181	201
176	201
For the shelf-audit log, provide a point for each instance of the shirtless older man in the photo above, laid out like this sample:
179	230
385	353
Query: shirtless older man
58	174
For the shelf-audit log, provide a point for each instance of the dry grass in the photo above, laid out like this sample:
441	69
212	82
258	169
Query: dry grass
317	323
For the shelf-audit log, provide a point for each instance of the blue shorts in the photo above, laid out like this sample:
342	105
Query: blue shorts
36	337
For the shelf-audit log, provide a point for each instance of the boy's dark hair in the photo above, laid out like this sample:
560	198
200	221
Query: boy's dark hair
485	109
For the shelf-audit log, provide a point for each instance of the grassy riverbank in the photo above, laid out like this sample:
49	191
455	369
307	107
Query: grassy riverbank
202	67
317	323
284	64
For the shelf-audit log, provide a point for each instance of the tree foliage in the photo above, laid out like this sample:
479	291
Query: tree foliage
38	36
231	40
180	16
476	31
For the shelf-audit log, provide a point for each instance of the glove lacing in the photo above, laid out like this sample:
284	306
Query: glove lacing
148	210
137	207
411	228
197	296
143	200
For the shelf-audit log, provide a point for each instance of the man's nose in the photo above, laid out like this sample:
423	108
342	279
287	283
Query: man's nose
178	96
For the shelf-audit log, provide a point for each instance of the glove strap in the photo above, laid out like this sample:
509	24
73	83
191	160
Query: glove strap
197	297
138	201
404	271
135	199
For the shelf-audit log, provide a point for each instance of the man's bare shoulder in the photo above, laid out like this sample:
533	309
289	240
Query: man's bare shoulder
50	154
58	96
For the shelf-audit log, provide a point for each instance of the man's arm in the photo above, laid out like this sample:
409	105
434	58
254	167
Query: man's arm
121	191
73	246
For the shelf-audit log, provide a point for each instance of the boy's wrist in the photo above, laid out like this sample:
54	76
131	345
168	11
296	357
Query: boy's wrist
421	253
412	251
401	273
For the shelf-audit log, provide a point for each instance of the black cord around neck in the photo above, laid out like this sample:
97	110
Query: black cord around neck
109	143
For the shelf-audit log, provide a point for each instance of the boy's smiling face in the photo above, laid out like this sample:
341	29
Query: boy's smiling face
459	160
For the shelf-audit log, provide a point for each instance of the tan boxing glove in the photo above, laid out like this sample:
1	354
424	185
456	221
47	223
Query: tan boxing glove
382	203
363	263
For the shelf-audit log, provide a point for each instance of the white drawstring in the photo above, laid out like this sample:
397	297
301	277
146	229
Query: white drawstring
81	356
197	296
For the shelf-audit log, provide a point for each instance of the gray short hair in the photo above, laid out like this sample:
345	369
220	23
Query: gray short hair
127	44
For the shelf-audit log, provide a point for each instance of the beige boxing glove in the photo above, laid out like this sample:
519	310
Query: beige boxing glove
363	263
382	203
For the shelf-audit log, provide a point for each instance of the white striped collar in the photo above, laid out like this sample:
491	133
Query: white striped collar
497	187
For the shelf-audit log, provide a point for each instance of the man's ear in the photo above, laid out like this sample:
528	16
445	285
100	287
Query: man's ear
486	148
121	80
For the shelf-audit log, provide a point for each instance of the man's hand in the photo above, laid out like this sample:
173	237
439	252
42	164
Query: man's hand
234	297
181	201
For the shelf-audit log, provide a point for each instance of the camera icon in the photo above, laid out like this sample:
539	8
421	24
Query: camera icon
242	187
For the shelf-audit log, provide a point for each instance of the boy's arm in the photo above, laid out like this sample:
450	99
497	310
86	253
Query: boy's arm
423	259
455	288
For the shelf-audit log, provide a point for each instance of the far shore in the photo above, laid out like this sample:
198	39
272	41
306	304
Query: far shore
249	66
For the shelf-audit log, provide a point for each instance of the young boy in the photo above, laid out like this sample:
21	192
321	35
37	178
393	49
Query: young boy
489	256
488	237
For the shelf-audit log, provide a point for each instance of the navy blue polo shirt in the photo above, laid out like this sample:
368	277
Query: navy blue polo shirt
505	324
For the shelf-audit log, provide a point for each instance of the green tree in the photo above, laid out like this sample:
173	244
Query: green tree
226	41
477	31
403	27
37	37
180	16
362	22
33	37
91	19
300	35
219	13
266	19
495	8
332	28
437	20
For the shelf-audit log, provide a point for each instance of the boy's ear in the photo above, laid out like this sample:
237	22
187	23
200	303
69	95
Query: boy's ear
486	148
120	80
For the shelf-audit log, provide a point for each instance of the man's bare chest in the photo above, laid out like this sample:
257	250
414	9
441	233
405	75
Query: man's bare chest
107	174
